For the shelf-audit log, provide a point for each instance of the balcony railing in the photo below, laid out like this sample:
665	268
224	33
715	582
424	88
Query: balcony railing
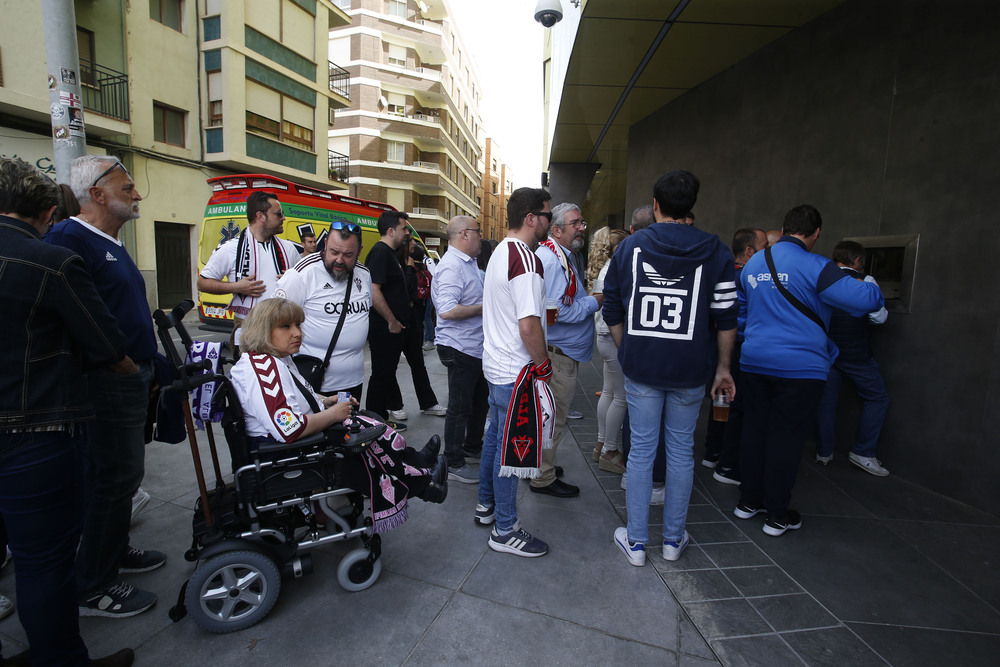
338	166
427	165
105	91
427	211
340	81
426	118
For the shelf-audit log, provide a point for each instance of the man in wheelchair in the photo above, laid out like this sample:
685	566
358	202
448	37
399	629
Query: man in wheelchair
280	408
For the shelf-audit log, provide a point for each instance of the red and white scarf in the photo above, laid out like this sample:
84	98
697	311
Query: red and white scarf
570	293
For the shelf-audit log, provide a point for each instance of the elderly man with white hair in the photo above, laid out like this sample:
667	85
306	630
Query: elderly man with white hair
116	438
571	339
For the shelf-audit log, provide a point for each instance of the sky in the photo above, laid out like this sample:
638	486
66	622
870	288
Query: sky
506	42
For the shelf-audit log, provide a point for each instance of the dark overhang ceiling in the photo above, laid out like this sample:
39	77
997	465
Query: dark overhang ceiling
631	57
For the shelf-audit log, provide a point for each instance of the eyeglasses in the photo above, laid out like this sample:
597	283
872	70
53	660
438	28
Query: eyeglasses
108	171
349	226
582	224
474	229
547	214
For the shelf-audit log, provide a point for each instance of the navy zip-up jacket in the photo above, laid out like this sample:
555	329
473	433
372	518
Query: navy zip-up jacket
778	339
667	284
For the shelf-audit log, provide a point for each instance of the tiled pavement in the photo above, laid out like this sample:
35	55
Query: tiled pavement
881	572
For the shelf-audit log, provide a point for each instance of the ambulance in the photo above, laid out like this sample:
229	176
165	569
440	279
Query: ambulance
308	211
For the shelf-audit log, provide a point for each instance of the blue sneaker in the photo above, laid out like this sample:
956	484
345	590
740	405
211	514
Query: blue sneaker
672	550
634	552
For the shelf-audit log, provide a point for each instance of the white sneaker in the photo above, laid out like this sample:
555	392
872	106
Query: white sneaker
624	483
139	501
634	552
869	464
428	346
398	415
824	460
436	410
673	550
657	497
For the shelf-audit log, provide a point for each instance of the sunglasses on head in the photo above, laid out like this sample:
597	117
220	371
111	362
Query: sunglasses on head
108	171
349	226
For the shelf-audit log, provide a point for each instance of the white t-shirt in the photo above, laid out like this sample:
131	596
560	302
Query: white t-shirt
311	286
258	261
273	404
514	289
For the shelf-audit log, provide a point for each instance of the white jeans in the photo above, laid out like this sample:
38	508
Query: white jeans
611	407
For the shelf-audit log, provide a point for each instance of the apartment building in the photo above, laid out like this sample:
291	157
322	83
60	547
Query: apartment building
493	192
412	126
181	91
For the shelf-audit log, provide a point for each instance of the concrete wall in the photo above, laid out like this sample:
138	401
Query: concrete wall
883	114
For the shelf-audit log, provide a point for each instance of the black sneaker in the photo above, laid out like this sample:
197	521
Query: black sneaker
745	511
396	426
710	461
776	527
136	560
726	475
518	542
118	601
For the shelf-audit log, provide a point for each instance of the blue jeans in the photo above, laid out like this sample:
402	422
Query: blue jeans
867	381
494	491
675	411
468	402
41	499
116	451
429	323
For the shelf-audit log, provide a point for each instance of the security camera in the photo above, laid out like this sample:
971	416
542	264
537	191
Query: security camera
548	12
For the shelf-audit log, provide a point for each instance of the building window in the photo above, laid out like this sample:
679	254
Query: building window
167	12
168	125
395	152
297	134
397	8
85	45
395	109
262	124
215	113
397	55
493	186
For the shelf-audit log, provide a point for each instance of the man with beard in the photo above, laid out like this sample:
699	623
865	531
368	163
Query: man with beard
248	266
571	339
116	442
318	283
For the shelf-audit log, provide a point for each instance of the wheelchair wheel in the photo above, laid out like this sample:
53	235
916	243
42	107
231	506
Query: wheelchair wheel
356	573
232	591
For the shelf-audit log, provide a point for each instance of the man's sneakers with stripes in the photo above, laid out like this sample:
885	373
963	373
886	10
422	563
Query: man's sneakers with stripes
518	542
635	552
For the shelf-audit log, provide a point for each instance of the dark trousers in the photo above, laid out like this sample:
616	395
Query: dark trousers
383	390
732	435
116	451
868	382
468	404
413	350
41	502
779	413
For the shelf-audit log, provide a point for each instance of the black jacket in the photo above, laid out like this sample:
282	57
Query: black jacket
52	323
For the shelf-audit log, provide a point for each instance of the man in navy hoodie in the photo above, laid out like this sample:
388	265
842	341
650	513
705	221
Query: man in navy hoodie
785	360
670	302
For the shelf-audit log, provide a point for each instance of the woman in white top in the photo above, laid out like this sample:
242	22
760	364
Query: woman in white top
280	406
611	406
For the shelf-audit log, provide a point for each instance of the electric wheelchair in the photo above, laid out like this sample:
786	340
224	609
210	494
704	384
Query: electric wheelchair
249	532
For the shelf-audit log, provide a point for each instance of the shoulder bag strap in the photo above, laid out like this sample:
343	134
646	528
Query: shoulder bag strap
801	307
340	322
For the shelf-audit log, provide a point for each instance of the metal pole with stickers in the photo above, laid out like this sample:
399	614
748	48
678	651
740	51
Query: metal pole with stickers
69	138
